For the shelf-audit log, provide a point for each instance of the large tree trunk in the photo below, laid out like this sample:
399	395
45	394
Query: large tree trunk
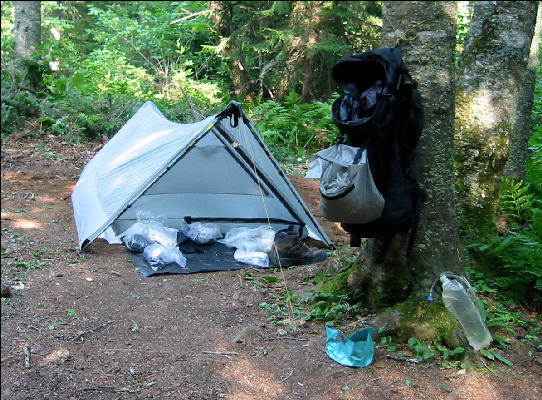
490	106
516	165
425	32
25	69
222	18
27	28
315	21
307	69
298	23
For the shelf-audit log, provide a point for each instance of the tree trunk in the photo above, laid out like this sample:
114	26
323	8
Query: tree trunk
296	52
516	165
27	33
305	71
425	32
222	18
428	53
490	106
27	28
315	20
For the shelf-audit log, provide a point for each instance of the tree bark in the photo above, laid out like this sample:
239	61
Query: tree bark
305	70
516	165
296	52
425	33
27	33
315	20
491	105
27	28
222	17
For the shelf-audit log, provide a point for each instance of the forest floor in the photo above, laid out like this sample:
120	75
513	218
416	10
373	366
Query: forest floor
90	326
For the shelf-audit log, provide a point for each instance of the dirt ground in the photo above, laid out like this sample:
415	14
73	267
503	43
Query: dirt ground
89	326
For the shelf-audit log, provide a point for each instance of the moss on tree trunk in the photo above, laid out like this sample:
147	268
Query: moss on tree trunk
490	85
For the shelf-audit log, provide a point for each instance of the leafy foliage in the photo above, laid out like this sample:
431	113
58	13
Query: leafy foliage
515	201
518	271
101	60
330	307
17	105
422	350
292	129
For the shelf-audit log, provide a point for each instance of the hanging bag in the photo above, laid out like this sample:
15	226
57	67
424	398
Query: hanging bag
347	189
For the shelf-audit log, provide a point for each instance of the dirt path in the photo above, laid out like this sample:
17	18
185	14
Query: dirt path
91	327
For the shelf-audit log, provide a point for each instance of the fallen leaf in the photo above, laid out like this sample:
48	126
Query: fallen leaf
62	354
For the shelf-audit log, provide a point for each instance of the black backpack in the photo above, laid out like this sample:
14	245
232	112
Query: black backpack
381	110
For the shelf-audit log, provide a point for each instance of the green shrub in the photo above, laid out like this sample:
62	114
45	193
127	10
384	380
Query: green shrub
517	254
292	129
17	106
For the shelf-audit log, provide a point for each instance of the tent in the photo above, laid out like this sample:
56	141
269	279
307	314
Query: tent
216	170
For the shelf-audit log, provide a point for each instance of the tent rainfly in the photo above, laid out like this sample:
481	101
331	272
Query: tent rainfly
215	170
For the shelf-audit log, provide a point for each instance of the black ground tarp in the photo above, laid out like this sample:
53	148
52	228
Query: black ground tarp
216	257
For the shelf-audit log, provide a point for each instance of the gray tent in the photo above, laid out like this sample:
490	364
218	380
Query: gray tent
215	170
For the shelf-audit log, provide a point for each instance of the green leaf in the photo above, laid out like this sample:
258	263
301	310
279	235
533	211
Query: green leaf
458	350
487	353
428	353
502	359
71	312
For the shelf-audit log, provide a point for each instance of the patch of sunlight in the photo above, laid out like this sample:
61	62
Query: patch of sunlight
482	109
47	199
24	223
477	386
138	145
251	381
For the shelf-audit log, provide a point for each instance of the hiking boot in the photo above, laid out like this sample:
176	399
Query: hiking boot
292	251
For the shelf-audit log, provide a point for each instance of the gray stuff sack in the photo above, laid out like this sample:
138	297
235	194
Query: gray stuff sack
348	193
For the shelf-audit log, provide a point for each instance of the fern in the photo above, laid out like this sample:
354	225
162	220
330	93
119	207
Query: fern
515	201
518	271
294	130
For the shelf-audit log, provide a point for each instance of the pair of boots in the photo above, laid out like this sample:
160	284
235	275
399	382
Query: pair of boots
289	250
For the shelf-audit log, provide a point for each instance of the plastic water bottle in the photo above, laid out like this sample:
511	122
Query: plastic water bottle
462	305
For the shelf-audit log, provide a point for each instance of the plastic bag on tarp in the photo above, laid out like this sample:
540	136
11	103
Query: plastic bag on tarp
202	233
258	258
153	230
158	256
354	351
136	242
256	239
